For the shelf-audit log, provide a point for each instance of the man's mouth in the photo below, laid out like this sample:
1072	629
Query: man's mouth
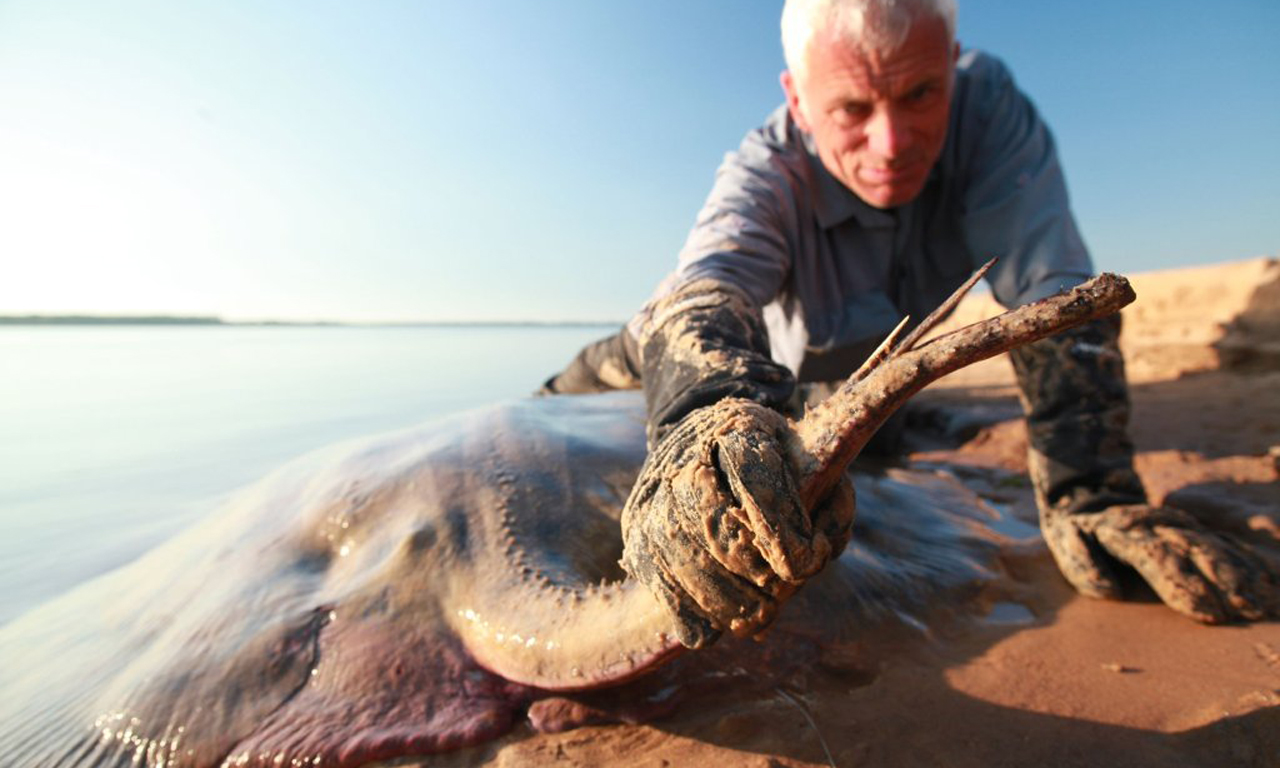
889	174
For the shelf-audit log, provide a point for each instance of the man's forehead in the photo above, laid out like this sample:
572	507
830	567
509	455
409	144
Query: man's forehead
926	52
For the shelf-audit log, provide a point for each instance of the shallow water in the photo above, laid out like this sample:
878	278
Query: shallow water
113	439
313	619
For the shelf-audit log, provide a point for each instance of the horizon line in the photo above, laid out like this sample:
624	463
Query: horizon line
215	320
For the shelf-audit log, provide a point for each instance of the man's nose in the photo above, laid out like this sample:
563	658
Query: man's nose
887	134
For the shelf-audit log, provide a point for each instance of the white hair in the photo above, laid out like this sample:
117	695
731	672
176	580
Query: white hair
876	25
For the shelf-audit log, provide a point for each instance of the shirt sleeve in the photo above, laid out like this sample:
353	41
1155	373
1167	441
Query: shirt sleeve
742	233
739	235
1015	197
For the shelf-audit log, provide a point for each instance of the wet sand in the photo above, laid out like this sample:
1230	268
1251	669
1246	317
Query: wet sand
1046	677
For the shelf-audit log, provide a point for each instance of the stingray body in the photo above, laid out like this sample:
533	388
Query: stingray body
349	608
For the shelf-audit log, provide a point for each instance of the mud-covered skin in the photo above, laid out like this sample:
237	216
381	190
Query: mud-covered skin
703	343
715	526
1093	510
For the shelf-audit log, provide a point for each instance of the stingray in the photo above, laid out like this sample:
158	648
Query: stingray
420	592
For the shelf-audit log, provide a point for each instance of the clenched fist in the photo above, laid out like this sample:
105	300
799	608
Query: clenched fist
715	526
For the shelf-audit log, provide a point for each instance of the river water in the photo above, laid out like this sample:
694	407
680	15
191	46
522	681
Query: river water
114	438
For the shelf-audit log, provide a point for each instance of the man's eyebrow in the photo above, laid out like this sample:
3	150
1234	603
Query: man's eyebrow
926	80
919	84
849	101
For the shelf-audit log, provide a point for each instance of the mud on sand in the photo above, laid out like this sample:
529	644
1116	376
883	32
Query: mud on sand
1072	681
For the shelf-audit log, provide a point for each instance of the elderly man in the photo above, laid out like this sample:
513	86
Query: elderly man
897	165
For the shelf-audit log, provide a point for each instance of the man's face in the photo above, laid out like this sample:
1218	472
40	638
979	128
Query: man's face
878	122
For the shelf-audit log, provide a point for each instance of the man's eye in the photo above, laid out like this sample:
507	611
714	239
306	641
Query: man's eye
848	114
919	95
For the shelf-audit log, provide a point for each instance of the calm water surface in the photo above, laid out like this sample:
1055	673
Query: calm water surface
112	439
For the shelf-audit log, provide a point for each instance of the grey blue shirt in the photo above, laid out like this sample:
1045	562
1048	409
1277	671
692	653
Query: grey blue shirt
835	274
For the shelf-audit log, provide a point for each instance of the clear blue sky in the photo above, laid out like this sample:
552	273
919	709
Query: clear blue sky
501	160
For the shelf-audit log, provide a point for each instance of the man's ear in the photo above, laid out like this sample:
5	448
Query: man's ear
793	101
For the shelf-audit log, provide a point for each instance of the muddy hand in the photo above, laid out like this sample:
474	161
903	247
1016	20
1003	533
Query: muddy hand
1199	573
716	526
